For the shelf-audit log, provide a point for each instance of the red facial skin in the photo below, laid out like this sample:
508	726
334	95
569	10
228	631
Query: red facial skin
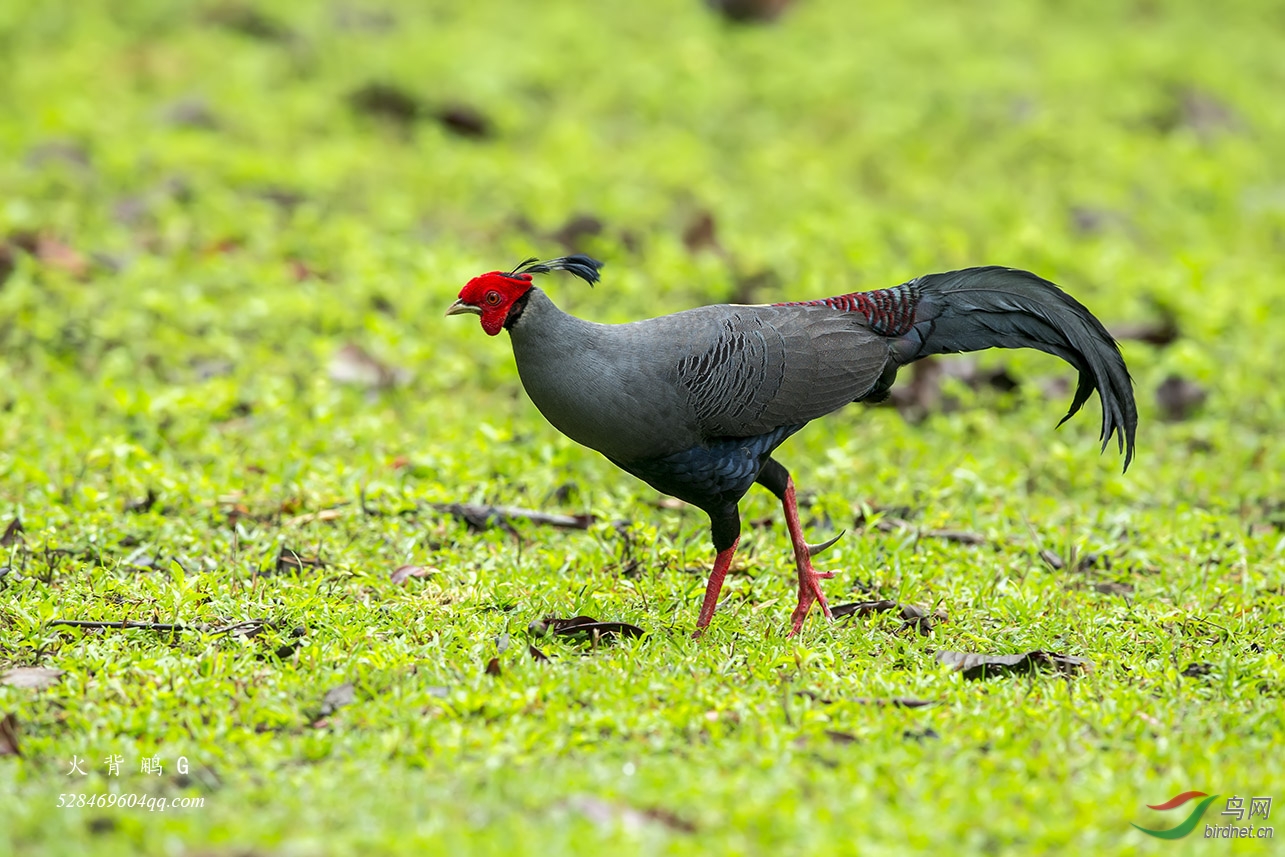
492	295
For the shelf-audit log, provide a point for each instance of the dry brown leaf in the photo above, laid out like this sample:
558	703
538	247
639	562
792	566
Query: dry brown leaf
701	233
9	736
31	678
578	229
1179	398
404	573
913	616
336	698
52	252
1164	331
388	102
353	364
12	534
974	665
749	11
464	120
610	816
311	517
289	560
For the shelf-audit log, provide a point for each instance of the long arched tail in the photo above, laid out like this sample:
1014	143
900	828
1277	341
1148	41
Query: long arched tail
979	308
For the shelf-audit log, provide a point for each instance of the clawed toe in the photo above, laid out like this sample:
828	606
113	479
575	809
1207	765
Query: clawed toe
810	593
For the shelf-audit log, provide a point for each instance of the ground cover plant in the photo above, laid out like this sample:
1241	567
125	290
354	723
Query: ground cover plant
232	413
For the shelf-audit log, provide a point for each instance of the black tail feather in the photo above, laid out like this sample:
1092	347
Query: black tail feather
979	308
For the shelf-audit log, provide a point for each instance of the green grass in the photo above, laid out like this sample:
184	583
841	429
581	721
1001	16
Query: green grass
197	221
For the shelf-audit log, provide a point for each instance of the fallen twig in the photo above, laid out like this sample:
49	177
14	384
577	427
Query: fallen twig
963	537
247	628
889	702
147	626
583	625
482	517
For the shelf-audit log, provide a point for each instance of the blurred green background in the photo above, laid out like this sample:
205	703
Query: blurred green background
228	232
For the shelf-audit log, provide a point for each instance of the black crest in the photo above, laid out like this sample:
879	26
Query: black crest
584	267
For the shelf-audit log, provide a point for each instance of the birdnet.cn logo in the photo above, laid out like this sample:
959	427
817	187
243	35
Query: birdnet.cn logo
1259	807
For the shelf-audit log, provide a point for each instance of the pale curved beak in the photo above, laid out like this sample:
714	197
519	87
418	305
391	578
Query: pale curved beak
460	308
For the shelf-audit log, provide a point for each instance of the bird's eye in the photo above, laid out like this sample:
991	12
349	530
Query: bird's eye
492	298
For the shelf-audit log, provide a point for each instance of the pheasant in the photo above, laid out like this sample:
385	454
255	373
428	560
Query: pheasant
695	403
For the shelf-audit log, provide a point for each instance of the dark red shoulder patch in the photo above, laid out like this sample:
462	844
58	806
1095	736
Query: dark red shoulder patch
891	312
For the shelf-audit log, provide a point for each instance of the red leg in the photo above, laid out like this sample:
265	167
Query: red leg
722	563
809	580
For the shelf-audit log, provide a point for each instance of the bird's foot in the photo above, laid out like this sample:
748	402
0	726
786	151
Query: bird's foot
809	579
809	593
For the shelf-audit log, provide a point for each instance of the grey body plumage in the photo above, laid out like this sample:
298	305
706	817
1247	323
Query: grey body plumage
667	384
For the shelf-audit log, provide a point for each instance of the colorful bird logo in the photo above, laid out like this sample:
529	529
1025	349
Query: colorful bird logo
1189	823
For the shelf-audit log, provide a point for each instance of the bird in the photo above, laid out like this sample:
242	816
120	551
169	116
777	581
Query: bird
695	403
